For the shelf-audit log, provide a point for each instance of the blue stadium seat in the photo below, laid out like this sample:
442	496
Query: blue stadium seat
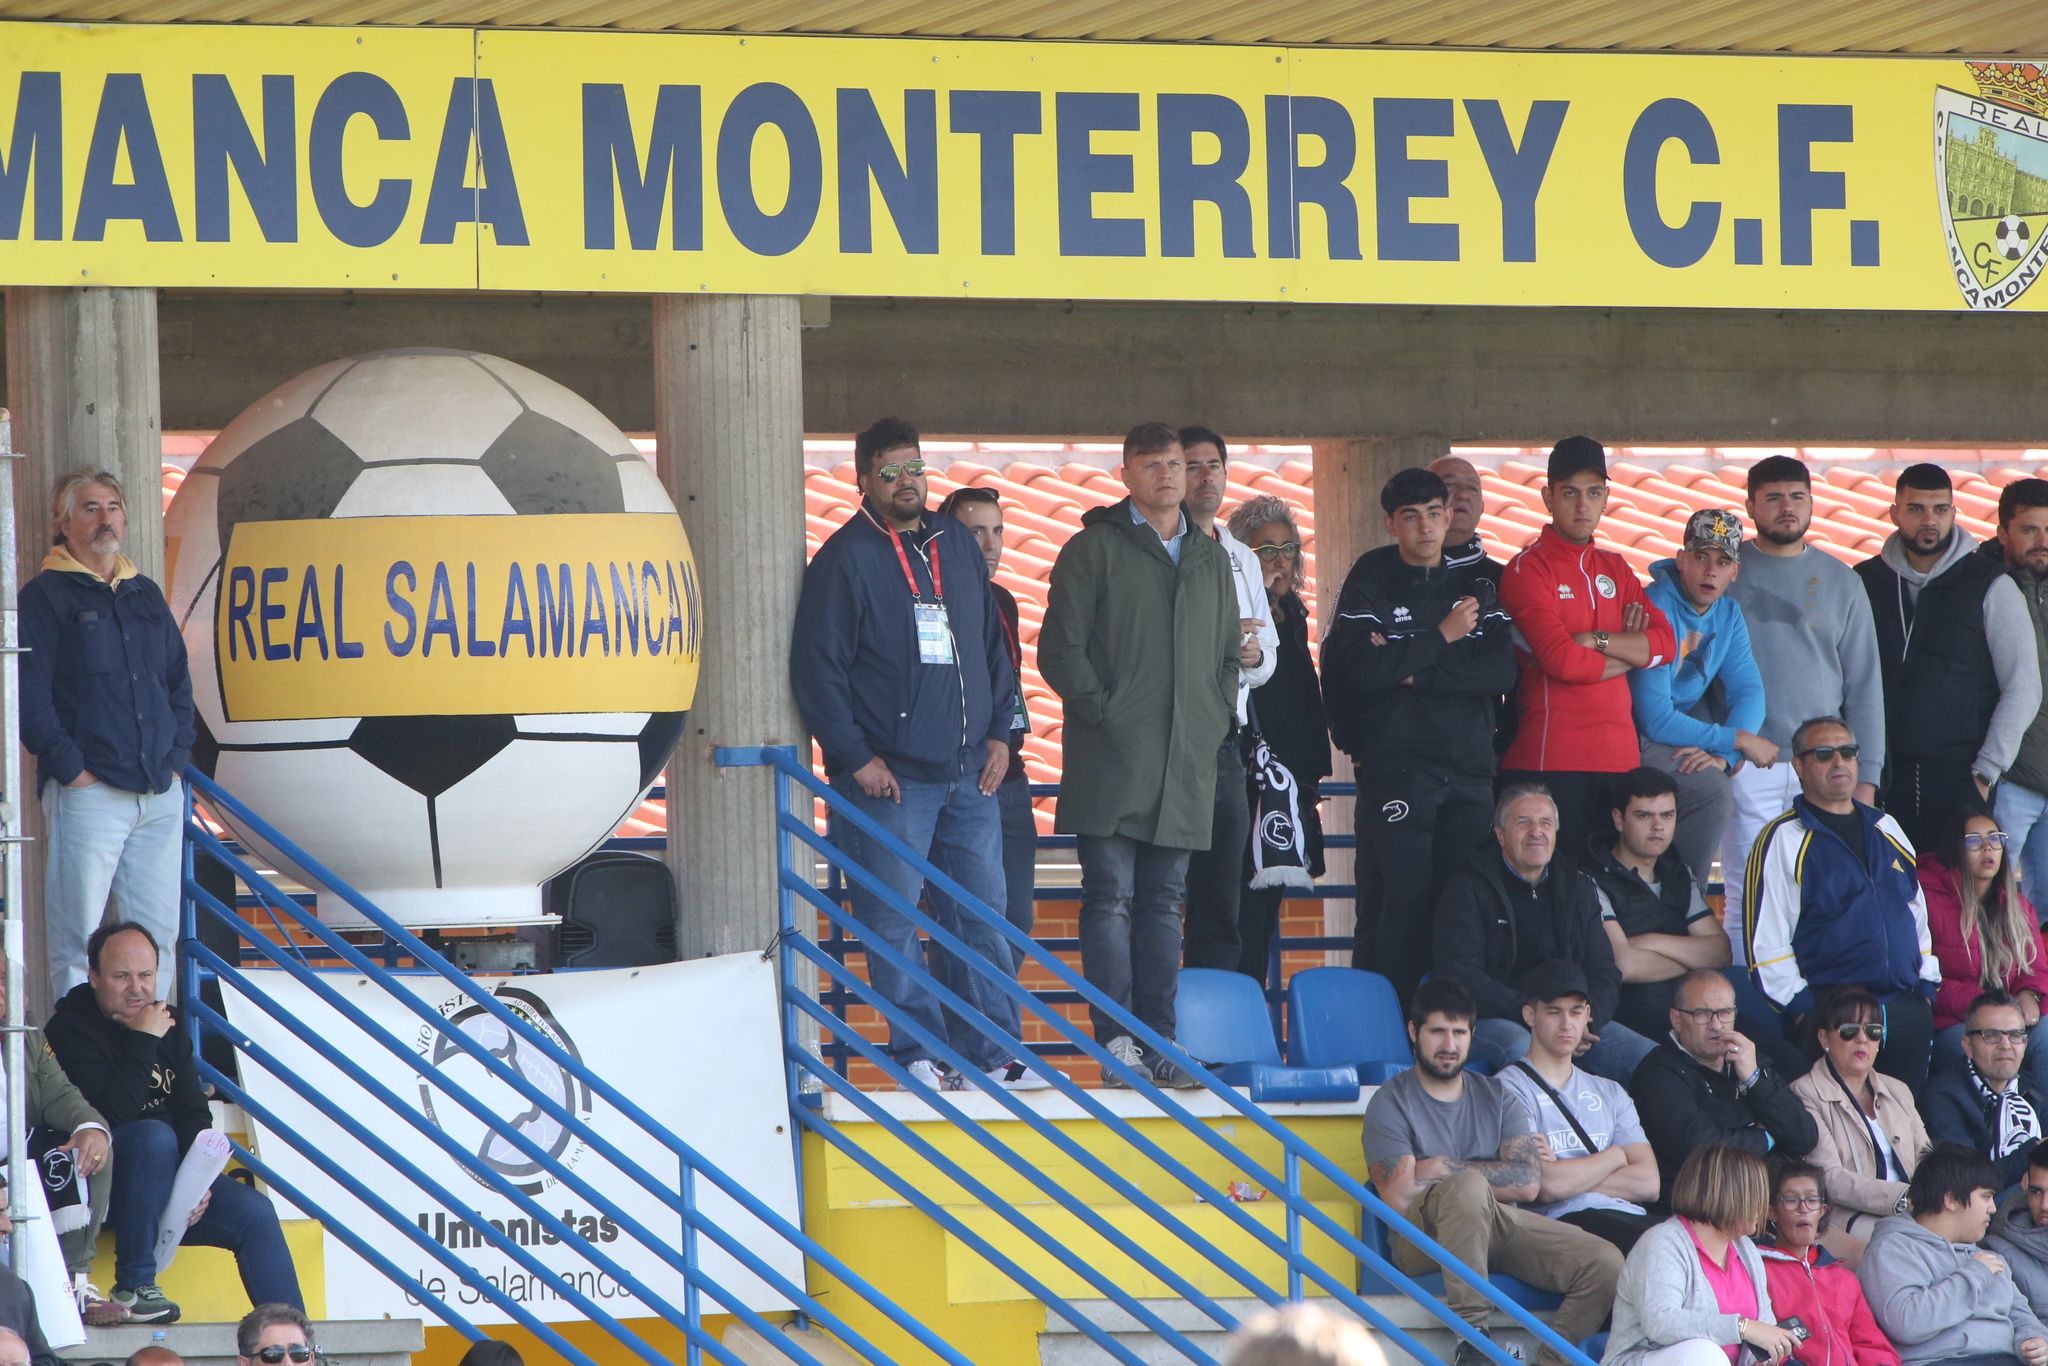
1344	1016
1223	1023
1371	1282
1595	1346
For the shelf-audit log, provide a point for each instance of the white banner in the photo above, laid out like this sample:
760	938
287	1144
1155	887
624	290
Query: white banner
695	1045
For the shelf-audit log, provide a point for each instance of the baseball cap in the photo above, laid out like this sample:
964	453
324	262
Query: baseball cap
1574	455
1714	529
1554	978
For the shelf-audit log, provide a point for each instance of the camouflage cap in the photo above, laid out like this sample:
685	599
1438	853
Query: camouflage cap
1714	529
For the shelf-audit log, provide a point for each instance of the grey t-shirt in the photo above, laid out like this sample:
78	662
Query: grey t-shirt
1402	1120
1603	1110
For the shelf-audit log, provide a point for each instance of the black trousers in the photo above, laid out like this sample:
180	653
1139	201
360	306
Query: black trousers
1922	796
1582	805
1618	1227
1418	825
1216	874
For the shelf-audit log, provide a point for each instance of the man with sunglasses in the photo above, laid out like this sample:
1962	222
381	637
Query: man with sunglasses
902	672
273	1334
1832	900
1986	1104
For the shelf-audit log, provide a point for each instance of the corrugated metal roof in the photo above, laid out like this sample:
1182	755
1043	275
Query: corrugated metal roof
1972	27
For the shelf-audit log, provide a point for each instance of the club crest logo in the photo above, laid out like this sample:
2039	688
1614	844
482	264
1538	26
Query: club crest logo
1991	169
513	1110
1604	584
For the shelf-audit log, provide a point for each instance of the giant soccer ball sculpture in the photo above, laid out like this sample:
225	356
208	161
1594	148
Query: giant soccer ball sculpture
443	628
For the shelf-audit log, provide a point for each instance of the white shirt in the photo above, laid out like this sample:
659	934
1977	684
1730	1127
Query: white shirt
1251	603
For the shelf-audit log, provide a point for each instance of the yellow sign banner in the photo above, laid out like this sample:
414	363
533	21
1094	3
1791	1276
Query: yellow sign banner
520	160
457	616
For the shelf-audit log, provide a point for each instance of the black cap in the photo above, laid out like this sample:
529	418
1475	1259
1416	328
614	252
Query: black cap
1554	978
1574	455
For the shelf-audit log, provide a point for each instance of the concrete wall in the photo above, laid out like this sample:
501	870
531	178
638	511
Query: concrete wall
993	369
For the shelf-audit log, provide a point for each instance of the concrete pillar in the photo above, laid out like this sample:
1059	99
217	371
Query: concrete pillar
1348	475
82	384
729	434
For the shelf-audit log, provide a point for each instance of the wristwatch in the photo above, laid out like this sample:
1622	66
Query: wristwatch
1600	641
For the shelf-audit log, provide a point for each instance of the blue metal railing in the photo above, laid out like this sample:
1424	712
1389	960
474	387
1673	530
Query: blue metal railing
794	783
675	1195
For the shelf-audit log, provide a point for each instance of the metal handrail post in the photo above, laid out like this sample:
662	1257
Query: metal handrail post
11	797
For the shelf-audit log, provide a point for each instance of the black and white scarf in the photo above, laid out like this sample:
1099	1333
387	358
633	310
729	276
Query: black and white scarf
2014	1125
63	1182
1279	845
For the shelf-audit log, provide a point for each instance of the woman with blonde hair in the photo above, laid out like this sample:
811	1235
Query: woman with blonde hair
1984	933
1693	1291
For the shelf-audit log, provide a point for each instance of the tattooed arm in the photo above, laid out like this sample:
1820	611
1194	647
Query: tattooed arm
1514	1175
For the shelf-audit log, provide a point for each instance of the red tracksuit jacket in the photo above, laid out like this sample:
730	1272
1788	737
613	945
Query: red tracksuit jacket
1572	720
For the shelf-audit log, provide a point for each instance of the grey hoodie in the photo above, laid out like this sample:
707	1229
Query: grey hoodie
1810	630
1934	1300
2024	1245
2008	630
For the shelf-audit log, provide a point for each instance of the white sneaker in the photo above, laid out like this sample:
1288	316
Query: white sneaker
1125	1050
1017	1076
926	1073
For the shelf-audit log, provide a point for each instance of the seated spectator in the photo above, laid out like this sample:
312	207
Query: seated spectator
1870	1130
1699	713
1502	916
274	1333
1984	933
1809	1284
18	1318
1704	1084
1598	1171
1303	1335
133	1063
1985	1104
2019	1231
1833	902
1455	1153
153	1356
14	1350
490	1353
1936	1295
1694	1291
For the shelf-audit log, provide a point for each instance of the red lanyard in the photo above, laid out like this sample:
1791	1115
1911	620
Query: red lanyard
903	559
1016	650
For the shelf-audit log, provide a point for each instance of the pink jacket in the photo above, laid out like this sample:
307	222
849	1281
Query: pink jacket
1962	962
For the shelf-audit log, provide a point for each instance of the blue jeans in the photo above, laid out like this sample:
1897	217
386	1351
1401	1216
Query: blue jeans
1020	856
105	844
2023	815
238	1218
1948	1049
960	833
1498	1043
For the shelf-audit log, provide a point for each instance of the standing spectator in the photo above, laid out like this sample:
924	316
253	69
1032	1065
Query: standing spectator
106	708
132	1063
1699	714
1809	1283
1581	622
1455	1153
1288	709
1215	877
907	686
1833	901
2019	1231
1984	934
1505	915
1465	505
1597	1169
1809	628
1870	1130
2022	796
1988	1105
981	512
1413	668
1142	642
1934	1292
1704	1083
1694	1292
1962	674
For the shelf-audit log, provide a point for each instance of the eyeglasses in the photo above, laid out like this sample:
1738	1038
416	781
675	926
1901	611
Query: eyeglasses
1995	838
1286	550
1706	1015
1803	1201
270	1356
889	474
1848	1032
1826	753
2015	1037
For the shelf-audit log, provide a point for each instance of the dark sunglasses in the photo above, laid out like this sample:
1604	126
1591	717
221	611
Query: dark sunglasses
889	474
1848	1032
270	1356
1826	753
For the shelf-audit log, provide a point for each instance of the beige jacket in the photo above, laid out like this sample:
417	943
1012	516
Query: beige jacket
1856	1190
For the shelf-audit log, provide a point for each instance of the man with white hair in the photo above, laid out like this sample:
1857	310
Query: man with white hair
106	708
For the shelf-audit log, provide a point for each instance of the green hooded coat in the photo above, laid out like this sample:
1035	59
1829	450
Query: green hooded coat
1144	654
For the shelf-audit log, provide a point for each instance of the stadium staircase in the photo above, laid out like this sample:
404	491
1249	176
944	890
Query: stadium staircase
983	1227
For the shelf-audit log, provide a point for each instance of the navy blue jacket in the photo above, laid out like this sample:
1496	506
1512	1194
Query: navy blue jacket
853	662
104	686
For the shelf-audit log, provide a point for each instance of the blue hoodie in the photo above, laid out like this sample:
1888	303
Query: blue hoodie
1712	646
